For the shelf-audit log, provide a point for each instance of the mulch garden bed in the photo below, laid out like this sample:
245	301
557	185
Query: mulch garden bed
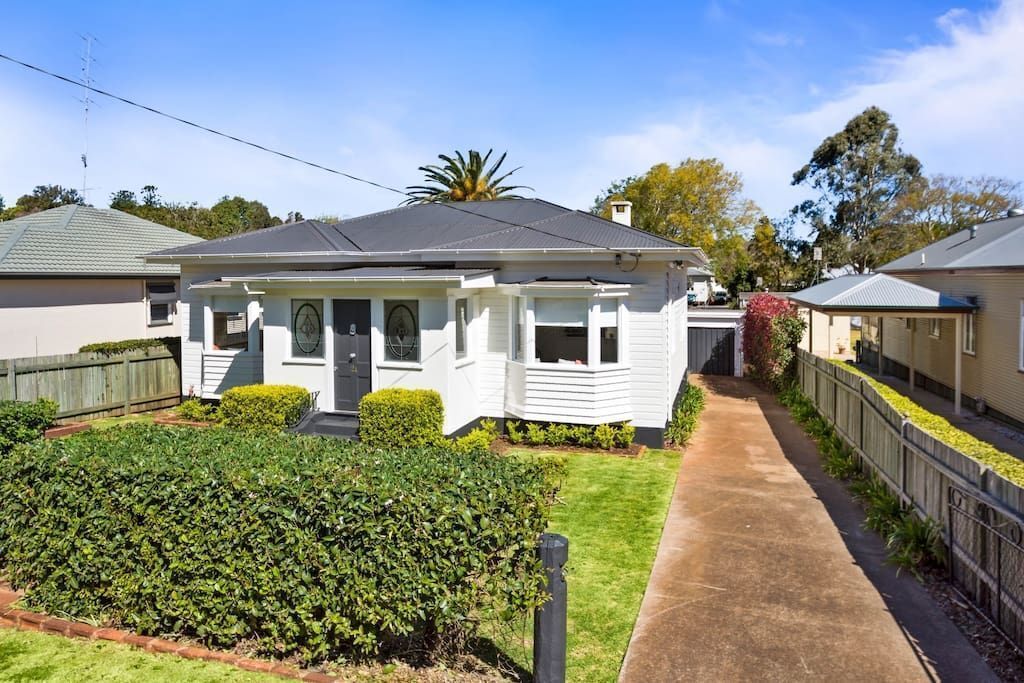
66	430
1004	659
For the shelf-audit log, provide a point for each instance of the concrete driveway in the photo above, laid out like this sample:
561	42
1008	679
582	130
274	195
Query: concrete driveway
765	573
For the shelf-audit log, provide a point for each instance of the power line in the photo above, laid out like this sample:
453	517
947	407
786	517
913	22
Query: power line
90	88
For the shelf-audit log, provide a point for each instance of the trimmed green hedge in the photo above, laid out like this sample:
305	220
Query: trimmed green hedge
939	427
112	347
298	546
555	434
401	418
684	417
22	421
263	407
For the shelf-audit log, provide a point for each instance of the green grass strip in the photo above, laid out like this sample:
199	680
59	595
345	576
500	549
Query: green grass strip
939	427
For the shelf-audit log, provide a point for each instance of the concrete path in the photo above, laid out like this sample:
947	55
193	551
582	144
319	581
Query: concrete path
764	571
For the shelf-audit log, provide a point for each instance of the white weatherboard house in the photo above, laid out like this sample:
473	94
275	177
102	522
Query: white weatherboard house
515	308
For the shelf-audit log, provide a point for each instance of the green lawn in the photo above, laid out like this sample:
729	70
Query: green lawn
612	513
27	656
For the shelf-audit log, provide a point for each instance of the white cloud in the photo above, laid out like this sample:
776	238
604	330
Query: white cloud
958	103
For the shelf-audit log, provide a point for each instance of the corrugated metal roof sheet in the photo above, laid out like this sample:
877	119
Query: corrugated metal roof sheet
996	244
494	225
877	292
82	240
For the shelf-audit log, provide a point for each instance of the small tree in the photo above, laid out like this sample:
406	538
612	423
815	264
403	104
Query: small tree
771	331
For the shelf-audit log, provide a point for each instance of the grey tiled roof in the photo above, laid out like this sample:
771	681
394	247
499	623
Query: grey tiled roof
876	292
996	244
530	224
82	240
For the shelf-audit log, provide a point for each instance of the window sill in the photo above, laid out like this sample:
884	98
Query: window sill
566	367
972	354
463	362
161	323
225	352
303	361
399	365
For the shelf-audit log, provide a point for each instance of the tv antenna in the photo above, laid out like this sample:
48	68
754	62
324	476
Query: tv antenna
87	61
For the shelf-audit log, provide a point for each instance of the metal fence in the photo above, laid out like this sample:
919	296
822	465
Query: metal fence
91	385
981	513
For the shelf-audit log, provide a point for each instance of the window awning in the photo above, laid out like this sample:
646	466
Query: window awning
878	294
417	275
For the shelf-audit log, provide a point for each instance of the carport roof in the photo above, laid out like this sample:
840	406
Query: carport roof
877	293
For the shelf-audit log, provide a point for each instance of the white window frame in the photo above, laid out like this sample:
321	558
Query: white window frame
467	305
526	308
1020	351
935	328
290	354
970	335
167	298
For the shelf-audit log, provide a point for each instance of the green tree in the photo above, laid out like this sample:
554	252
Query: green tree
699	203
229	216
769	258
940	205
462	180
43	197
860	174
237	214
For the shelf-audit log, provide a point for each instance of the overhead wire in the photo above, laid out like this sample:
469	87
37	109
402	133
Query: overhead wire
285	155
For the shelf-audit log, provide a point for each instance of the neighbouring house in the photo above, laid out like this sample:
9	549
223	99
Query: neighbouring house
948	318
513	308
825	335
74	275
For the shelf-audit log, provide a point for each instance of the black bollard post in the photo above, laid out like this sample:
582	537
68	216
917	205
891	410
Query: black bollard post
549	618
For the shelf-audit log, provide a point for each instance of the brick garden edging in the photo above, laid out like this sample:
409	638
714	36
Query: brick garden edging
34	621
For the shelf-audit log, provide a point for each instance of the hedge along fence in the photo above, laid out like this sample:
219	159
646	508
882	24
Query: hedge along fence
306	547
983	519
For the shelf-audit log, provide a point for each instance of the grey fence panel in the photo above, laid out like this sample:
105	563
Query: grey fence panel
89	385
981	512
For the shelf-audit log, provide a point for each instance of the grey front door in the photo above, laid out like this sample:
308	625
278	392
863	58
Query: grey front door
351	352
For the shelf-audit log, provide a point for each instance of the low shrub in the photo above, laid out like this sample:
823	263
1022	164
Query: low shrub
401	418
582	436
112	347
557	434
23	421
685	414
771	331
478	440
263	407
536	435
299	547
512	431
624	435
604	436
194	410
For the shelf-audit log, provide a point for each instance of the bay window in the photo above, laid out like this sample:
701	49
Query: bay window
565	330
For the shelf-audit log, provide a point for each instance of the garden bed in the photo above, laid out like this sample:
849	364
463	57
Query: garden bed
635	450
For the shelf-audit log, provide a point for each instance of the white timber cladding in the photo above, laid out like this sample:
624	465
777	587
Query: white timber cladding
640	387
992	372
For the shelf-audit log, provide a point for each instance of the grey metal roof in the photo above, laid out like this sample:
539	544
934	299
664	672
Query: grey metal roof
996	244
82	240
877	292
508	224
380	273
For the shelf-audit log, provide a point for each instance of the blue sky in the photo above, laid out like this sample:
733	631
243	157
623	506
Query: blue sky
580	94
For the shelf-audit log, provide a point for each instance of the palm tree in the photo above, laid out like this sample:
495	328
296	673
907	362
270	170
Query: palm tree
462	181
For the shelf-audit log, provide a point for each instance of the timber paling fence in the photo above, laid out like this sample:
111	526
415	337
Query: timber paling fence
981	513
91	385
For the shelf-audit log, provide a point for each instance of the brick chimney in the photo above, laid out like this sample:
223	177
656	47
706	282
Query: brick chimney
622	212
